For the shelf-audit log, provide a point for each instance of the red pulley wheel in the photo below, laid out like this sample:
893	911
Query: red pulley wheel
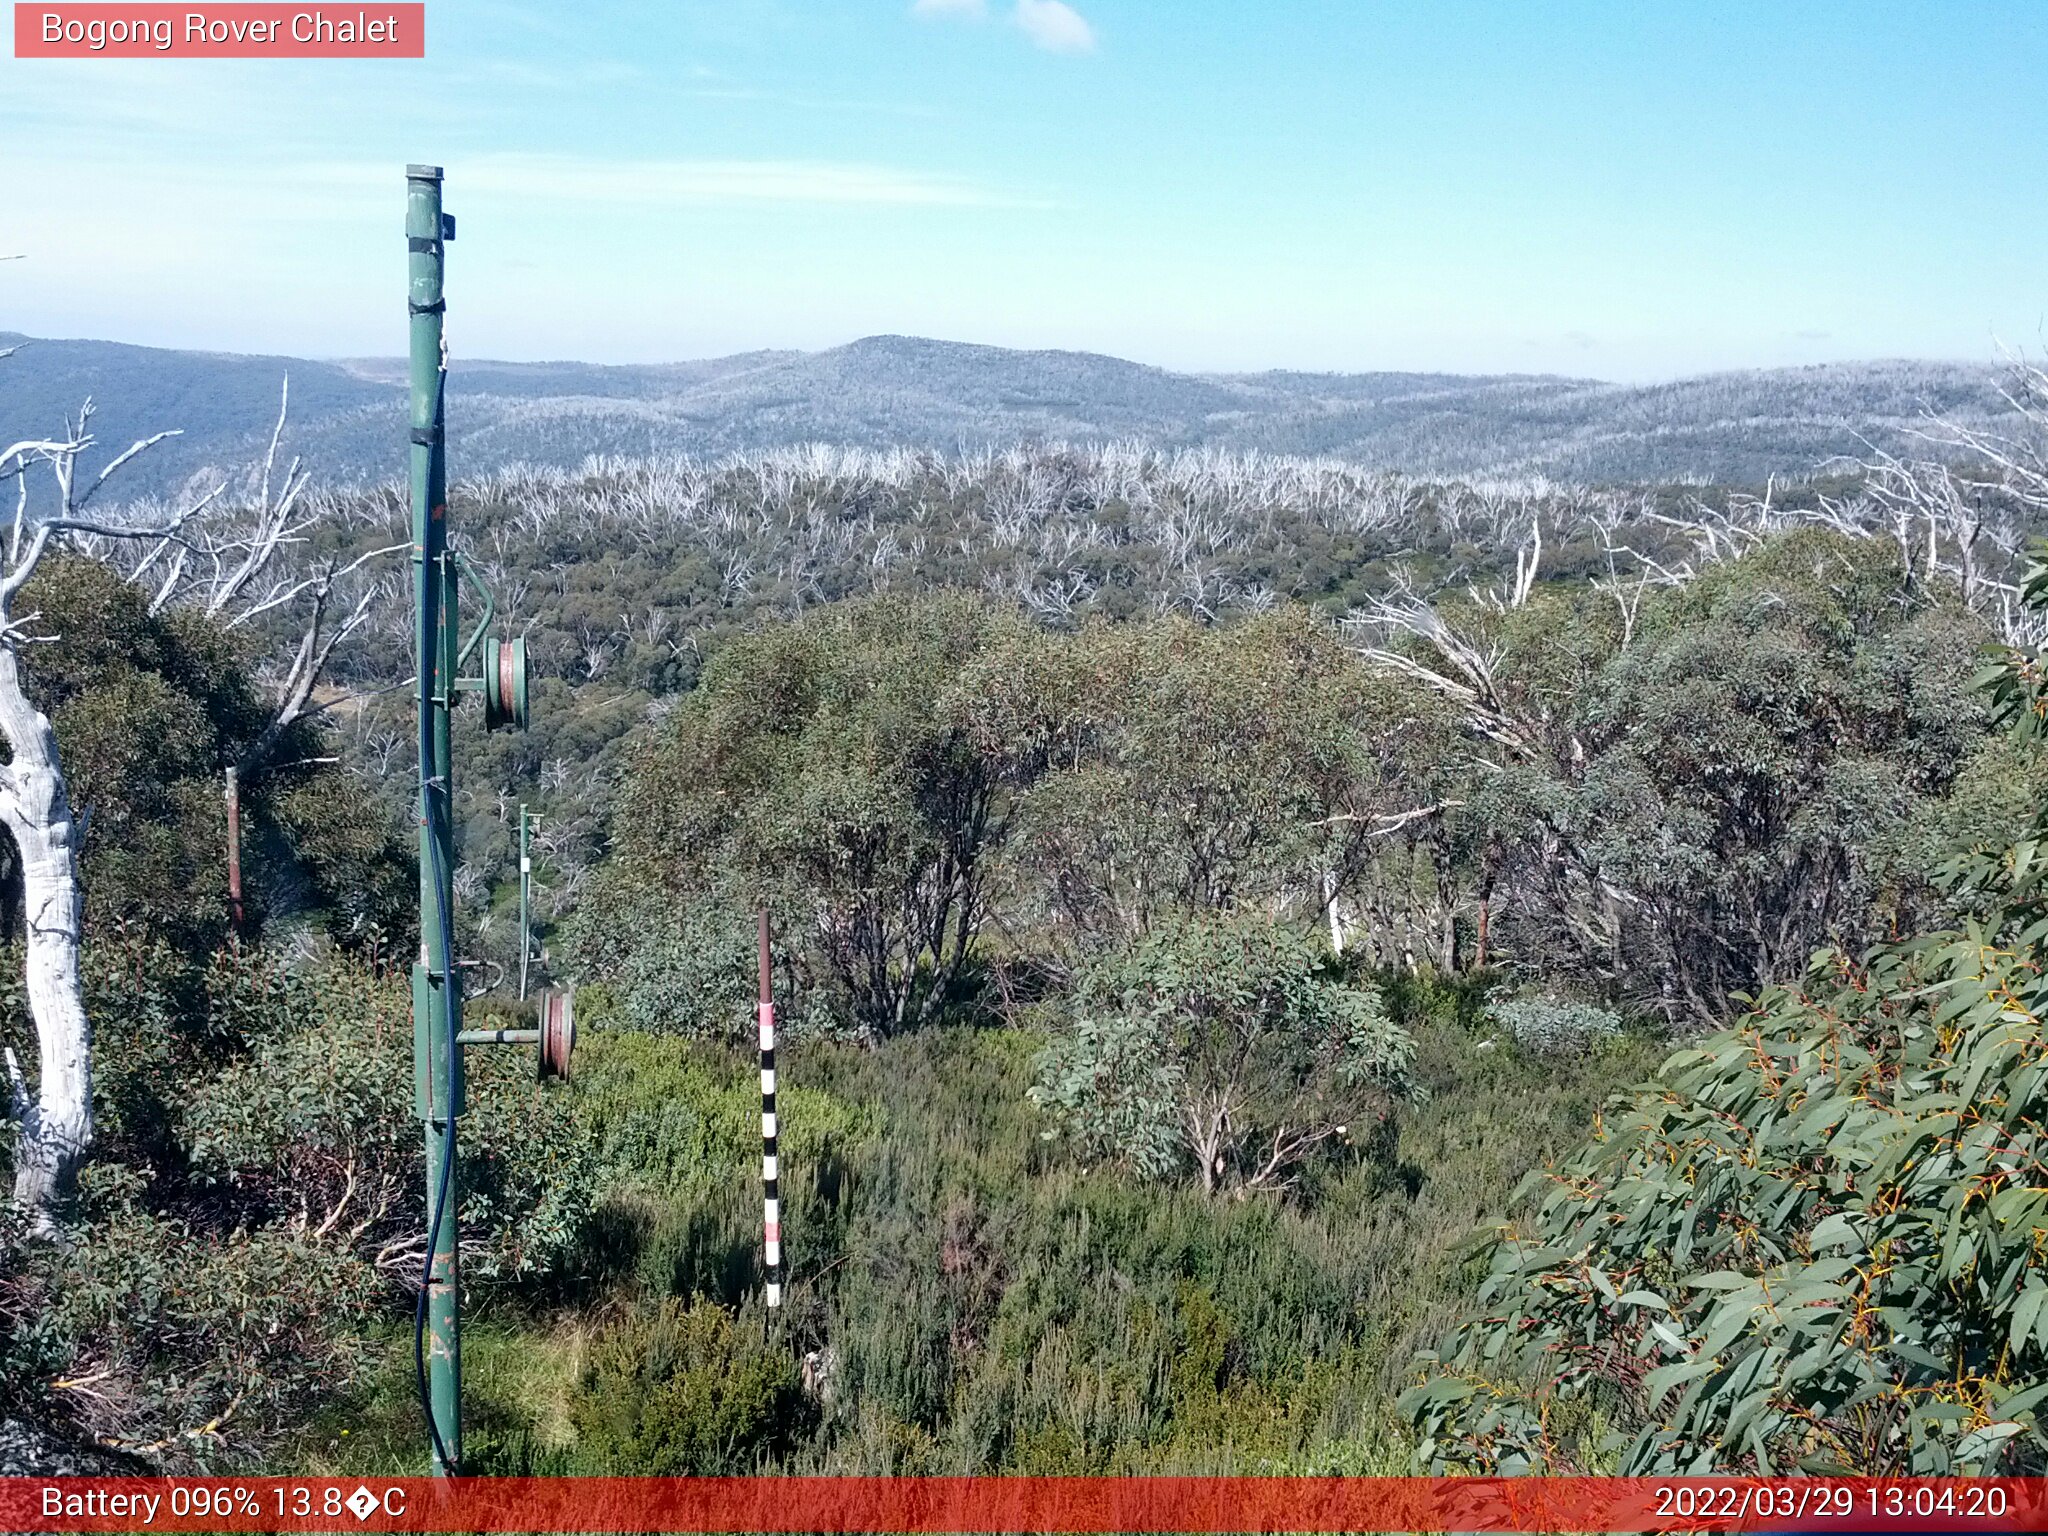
557	1031
504	684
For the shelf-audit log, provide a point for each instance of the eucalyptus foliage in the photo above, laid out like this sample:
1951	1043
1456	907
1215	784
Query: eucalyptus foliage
691	967
829	769
1222	1044
258	1204
1207	767
196	1348
1693	808
1549	1025
313	1124
1815	1241
149	709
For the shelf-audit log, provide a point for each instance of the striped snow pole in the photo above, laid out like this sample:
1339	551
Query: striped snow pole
771	1203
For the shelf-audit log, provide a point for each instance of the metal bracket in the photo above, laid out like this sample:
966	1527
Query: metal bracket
554	1041
490	611
432	1072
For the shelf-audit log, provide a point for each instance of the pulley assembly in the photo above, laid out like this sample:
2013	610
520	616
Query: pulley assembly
557	1031
552	1042
502	679
504	684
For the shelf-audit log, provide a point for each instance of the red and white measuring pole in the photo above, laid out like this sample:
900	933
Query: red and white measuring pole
771	1202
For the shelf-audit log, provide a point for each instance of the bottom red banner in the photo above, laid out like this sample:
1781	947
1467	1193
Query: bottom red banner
992	1504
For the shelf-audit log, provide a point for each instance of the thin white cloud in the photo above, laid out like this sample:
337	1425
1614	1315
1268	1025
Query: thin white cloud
673	182
973	10
495	74
807	103
357	193
1055	26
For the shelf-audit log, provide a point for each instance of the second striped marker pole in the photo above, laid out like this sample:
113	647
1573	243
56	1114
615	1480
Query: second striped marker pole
771	1203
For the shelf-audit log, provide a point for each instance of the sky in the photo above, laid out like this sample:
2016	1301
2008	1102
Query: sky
1616	190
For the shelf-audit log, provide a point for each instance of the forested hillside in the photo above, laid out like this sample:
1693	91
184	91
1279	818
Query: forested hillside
1205	886
896	392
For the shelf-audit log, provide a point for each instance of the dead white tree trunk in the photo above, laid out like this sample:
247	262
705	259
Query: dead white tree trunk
53	1122
53	1128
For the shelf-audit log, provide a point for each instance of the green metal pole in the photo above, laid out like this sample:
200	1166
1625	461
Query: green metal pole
525	909
437	1007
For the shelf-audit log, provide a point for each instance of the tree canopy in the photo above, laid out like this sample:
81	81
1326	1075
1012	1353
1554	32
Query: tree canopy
149	710
1813	1242
1222	1043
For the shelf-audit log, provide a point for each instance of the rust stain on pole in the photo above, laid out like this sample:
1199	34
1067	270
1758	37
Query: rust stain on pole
234	850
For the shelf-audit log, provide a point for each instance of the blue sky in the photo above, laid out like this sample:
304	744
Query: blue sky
1622	190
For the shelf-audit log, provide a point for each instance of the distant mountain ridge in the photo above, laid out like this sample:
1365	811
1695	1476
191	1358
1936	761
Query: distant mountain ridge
890	391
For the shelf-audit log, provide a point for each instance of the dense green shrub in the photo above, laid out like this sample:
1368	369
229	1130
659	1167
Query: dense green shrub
677	1130
679	1118
1814	1241
195	1347
681	968
165	1021
149	710
680	1391
1548	1025
1810	1244
258	1202
985	1309
991	1307
930	794
1696	807
1221	1042
964	1299
970	1299
315	1121
686	965
1193	766
946	807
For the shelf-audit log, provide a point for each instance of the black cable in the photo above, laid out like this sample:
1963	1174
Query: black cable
419	1328
428	640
